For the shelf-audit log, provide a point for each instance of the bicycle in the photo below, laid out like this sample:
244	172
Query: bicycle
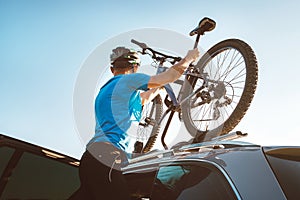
211	101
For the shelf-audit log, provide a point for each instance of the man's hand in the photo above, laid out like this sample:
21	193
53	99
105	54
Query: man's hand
192	55
175	71
149	95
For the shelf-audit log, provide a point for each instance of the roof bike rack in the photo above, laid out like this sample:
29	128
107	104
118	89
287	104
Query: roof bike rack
215	142
152	154
230	136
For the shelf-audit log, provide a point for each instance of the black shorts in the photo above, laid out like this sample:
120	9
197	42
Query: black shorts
100	172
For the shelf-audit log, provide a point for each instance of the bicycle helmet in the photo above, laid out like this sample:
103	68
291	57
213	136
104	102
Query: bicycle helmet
122	57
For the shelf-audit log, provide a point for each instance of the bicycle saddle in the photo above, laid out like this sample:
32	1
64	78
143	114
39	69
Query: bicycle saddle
206	24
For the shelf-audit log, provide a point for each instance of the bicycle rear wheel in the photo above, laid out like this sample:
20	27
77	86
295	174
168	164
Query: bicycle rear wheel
148	129
230	68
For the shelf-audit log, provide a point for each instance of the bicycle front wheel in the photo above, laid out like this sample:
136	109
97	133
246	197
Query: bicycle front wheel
148	129
230	71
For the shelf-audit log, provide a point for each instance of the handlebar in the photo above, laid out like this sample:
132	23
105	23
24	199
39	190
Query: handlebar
206	24
161	58
140	44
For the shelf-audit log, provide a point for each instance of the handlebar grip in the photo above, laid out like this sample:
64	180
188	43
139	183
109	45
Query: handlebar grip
140	44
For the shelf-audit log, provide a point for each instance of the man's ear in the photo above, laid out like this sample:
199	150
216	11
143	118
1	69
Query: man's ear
135	69
112	69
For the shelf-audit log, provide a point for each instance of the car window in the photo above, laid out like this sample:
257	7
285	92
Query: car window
191	181
286	167
5	155
37	177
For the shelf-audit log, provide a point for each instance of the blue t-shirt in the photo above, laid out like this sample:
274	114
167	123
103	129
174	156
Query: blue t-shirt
116	106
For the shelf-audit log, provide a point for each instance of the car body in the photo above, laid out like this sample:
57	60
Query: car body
208	170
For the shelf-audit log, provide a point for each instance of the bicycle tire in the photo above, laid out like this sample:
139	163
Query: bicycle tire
148	129
216	55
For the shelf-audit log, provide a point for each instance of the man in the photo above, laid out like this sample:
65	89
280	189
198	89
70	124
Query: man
118	103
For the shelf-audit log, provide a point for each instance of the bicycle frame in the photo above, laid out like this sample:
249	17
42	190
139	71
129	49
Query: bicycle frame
176	102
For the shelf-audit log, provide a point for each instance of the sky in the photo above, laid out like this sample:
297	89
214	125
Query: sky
43	45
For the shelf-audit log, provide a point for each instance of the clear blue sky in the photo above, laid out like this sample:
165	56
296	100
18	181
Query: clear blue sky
44	43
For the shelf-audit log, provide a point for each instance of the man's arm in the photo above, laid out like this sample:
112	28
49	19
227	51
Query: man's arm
173	73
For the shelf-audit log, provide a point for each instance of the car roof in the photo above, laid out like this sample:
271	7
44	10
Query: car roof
203	150
206	151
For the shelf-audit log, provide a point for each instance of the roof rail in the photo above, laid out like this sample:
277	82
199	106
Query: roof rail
152	154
